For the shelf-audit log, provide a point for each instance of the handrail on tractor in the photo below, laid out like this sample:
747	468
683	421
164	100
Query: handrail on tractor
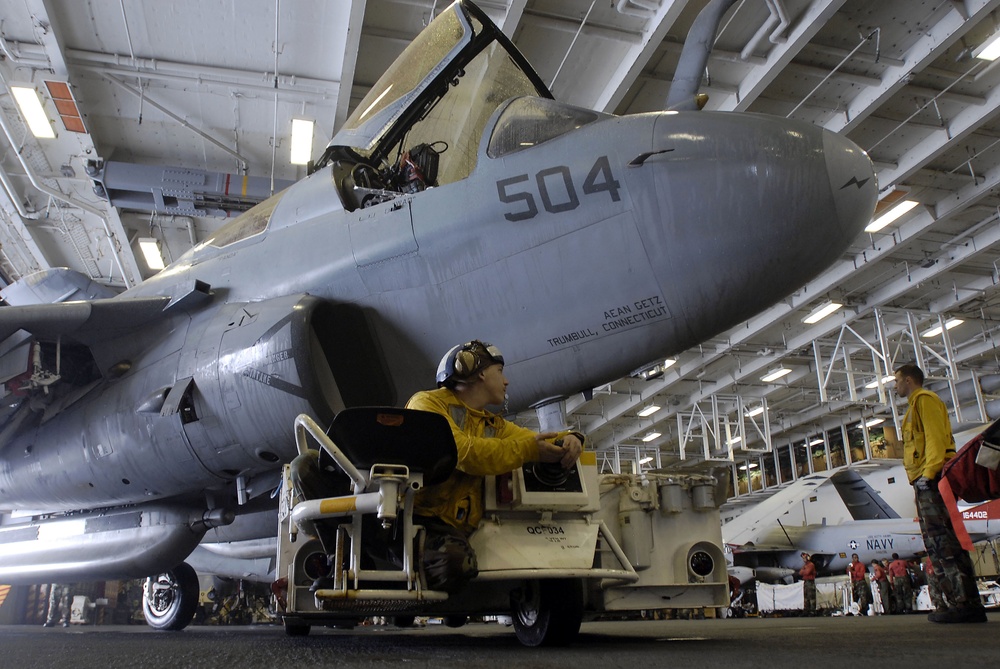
305	427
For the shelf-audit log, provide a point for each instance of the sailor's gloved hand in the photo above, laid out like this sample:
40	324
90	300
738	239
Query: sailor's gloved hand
923	484
565	451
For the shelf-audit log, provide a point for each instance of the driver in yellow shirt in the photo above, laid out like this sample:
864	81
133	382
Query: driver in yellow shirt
470	377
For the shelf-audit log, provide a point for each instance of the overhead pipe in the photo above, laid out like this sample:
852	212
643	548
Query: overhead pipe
30	54
164	189
572	43
966	390
62	197
777	36
21	58
147	67
694	56
13	196
765	28
274	136
549	22
975	66
637	8
877	34
244	162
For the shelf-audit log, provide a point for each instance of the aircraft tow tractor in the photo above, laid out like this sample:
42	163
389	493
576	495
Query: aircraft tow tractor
554	546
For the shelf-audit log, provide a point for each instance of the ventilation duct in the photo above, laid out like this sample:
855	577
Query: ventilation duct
179	191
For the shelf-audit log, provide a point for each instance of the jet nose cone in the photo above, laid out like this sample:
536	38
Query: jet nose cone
852	183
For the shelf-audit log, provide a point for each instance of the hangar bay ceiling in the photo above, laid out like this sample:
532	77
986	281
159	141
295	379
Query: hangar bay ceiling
209	91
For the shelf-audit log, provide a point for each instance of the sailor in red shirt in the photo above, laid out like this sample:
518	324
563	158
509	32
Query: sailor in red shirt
881	581
901	591
859	587
808	575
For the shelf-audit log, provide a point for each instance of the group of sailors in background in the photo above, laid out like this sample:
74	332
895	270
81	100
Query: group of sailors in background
886	585
892	584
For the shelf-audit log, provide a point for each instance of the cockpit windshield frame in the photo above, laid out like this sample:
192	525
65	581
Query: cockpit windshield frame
375	136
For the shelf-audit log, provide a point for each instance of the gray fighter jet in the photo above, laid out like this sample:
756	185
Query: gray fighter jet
458	201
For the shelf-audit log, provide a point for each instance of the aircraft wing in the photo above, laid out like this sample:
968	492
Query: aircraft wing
764	548
85	322
776	562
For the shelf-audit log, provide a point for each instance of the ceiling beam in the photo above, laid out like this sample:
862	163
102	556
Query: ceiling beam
928	48
779	56
512	18
638	55
351	47
959	127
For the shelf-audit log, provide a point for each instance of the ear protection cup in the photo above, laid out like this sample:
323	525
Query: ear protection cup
466	362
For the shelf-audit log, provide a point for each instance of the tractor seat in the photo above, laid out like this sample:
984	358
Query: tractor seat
420	440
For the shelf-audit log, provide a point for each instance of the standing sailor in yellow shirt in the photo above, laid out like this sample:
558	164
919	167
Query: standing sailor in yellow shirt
470	378
927	444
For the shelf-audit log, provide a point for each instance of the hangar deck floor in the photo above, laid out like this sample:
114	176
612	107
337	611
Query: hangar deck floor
816	643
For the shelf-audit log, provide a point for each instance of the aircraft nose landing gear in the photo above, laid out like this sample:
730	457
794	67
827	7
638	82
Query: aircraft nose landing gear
169	599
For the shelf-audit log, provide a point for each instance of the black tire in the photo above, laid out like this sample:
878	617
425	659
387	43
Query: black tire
404	621
169	600
455	620
296	629
548	613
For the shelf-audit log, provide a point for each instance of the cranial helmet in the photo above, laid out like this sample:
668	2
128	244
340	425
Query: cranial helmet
465	361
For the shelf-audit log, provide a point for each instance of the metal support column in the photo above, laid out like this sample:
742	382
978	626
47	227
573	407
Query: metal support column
949	353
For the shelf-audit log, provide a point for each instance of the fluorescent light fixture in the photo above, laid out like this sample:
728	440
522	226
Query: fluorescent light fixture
891	215
33	112
151	251
656	371
990	50
649	411
821	312
651	436
885	380
735	440
755	412
775	374
872	422
816	442
302	140
749	465
949	324
645	460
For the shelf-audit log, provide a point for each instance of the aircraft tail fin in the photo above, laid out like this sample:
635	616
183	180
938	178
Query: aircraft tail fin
986	511
861	499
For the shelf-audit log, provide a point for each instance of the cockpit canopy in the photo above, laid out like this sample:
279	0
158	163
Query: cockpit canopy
440	93
423	123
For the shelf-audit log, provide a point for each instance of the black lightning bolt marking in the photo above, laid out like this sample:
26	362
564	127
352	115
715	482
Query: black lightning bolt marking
854	182
639	160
